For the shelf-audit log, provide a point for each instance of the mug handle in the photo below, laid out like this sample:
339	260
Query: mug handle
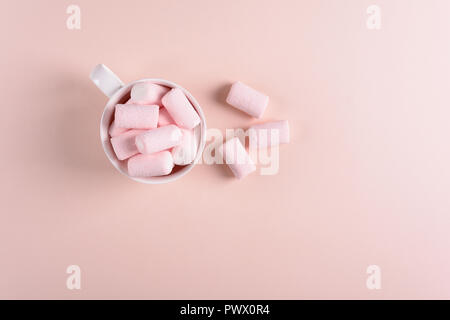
106	80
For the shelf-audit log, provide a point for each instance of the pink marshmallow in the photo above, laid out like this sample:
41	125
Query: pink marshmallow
137	102
247	99
151	165
180	109
269	134
185	152
237	158
124	145
148	93
115	130
159	139
136	116
164	118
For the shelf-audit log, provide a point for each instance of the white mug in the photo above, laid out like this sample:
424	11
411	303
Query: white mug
118	92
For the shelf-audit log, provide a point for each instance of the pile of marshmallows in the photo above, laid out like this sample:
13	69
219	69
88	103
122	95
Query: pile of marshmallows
154	130
158	128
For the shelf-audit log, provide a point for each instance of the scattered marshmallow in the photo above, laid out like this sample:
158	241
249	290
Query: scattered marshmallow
184	153
159	139
164	118
151	165
269	134
237	158
148	93
136	116
180	109
124	145
114	130
247	99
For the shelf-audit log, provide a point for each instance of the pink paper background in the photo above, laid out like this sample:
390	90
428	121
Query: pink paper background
365	180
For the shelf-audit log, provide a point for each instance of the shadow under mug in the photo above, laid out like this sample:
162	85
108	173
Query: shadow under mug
118	92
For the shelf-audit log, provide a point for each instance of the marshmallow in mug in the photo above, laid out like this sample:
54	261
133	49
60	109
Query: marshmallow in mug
114	130
134	116
164	118
159	139
151	165
124	144
147	93
180	109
